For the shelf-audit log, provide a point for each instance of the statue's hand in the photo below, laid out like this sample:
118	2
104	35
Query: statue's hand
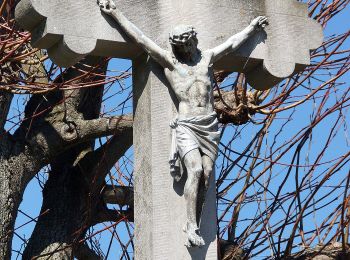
260	22
106	6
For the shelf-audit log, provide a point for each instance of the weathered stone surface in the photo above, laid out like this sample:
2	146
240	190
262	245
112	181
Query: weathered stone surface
72	29
160	207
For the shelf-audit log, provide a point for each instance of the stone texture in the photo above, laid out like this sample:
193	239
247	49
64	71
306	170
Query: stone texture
160	208
72	29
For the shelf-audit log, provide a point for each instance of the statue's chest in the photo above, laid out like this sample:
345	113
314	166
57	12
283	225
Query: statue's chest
186	75
188	72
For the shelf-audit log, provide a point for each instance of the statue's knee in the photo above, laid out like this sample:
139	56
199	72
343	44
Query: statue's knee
190	192
207	172
208	167
197	172
207	175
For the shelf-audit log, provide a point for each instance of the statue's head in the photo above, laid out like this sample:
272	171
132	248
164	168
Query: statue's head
183	38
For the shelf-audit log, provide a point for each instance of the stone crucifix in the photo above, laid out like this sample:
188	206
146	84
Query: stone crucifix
189	72
72	29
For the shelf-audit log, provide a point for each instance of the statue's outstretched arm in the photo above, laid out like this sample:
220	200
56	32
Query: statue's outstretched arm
157	53
235	41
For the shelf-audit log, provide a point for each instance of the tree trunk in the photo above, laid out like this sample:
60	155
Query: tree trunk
5	103
9	203
63	213
65	216
15	167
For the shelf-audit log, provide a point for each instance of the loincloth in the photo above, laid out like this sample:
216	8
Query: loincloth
197	132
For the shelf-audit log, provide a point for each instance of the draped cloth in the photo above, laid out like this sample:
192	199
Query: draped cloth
197	132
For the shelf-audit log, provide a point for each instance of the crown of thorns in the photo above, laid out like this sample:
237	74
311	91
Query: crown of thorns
182	34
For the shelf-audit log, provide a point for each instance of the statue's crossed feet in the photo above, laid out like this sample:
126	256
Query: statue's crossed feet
193	238
107	6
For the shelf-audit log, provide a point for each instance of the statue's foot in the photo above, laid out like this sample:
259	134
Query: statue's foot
193	238
106	4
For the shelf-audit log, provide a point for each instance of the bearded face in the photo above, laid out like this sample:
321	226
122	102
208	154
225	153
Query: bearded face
183	40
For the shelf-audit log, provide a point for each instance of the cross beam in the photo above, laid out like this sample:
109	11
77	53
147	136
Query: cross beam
71	30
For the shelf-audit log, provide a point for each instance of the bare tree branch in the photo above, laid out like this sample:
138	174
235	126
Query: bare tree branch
91	129
121	195
230	251
113	216
235	106
98	163
84	252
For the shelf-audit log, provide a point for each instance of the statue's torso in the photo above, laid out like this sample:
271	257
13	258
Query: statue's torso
192	84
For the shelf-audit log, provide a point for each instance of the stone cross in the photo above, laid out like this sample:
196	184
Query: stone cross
72	29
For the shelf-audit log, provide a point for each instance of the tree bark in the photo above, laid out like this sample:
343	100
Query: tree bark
61	223
5	102
15	164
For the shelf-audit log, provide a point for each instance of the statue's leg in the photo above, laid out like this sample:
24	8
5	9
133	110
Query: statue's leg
193	164
208	165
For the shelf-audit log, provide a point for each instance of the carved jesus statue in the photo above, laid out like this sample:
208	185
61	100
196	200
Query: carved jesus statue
195	130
